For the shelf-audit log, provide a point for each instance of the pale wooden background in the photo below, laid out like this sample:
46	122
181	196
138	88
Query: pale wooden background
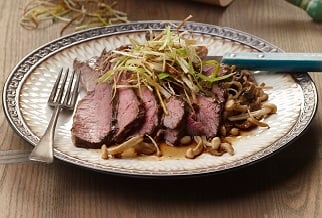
288	184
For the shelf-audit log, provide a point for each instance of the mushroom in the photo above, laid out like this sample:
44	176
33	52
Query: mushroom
227	147
146	148
213	144
197	150
234	131
156	147
263	97
256	122
185	140
135	143
267	108
241	108
104	154
119	149
230	105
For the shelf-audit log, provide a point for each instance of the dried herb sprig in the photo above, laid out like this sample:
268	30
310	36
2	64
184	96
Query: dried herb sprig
81	14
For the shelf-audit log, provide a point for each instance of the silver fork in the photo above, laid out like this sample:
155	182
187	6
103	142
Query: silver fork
59	99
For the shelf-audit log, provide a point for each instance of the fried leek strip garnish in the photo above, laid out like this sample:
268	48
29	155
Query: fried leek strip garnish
166	62
81	14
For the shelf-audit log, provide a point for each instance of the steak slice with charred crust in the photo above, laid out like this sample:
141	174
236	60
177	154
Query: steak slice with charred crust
94	119
219	94
176	112
94	67
206	119
130	112
194	126
172	136
152	112
174	121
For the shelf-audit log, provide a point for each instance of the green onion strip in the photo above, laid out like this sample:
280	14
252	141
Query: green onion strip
166	62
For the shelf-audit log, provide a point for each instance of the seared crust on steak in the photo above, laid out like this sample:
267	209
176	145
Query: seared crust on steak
205	120
93	122
130	112
174	121
152	113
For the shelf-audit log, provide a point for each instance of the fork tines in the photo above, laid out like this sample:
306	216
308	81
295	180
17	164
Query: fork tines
60	95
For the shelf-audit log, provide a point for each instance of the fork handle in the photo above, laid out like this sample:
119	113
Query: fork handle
44	150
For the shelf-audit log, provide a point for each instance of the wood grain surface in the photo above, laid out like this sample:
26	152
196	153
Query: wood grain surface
288	184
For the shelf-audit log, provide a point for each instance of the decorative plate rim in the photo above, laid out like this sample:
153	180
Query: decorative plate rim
32	60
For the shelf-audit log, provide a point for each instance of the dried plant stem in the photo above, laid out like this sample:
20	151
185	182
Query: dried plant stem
81	14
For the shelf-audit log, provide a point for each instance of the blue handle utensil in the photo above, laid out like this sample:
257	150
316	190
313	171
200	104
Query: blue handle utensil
276	62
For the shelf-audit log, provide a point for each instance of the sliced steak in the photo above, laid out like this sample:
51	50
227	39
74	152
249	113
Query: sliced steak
224	69
94	119
103	63
206	119
176	112
152	112
173	136
194	127
92	69
89	75
174	121
130	112
218	93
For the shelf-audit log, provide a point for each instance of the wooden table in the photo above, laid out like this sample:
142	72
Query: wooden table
289	184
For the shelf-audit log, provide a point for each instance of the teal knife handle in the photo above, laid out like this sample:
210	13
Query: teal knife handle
277	62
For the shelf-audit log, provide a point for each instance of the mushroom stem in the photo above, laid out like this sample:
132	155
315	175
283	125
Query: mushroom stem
104	154
213	144
131	143
267	108
197	150
156	147
227	147
147	149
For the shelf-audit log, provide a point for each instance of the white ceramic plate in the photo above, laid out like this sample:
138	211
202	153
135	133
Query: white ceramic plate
28	86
